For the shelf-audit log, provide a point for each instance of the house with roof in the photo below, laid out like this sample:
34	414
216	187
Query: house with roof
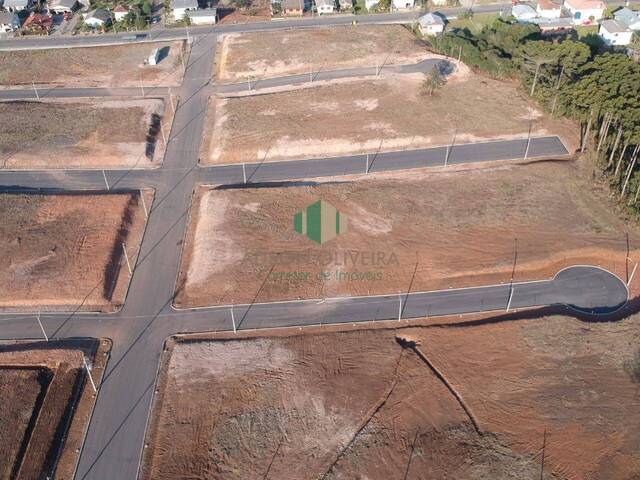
554	26
402	4
293	7
120	12
431	24
628	18
181	7
548	9
9	22
38	22
523	13
207	16
614	33
325	6
63	6
17	5
345	5
584	12
98	18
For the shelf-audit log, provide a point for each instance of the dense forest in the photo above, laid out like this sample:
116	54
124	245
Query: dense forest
577	79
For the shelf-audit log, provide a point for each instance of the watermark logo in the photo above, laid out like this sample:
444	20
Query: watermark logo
320	222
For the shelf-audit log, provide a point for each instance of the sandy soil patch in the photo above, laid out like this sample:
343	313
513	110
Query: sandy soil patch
45	405
391	113
292	406
65	251
83	133
112	66
443	229
287	52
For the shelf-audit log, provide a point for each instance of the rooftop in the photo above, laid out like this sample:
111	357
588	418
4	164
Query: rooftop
585	4
15	3
613	26
184	4
63	3
209	12
430	19
549	5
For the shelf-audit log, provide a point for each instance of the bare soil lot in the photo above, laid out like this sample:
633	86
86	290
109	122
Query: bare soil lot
83	133
359	404
64	251
418	231
287	52
392	113
112	66
45	405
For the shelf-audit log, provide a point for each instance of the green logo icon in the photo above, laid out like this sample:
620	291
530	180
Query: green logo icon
320	221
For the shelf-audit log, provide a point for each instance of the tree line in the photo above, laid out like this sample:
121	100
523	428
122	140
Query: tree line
569	77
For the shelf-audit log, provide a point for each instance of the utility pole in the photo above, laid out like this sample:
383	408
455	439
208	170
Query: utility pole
164	138
526	151
544	446
450	147
141	86
88	370
35	90
173	107
249	82
233	320
104	175
244	174
399	306
41	327
126	257
366	167
144	205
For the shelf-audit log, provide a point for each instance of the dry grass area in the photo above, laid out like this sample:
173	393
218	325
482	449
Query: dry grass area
64	251
112	66
83	133
287	52
392	113
45	405
442	228
358	403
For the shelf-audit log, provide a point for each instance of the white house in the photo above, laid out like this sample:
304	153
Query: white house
585	12
9	22
548	9
120	12
63	6
325	6
431	24
17	5
523	13
402	4
208	16
628	17
180	7
97	18
614	33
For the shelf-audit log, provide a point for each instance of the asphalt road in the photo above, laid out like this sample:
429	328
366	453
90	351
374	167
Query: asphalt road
114	441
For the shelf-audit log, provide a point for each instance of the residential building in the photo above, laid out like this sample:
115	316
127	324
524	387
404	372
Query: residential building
63	6
523	13
97	18
431	24
628	17
554	26
38	23
120	12
9	22
345	5
17	5
585	12
614	33
207	16
325	6
548	9
181	7
402	4
293	7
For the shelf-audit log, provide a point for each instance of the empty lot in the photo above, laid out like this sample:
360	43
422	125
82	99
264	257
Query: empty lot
286	52
64	251
45	405
392	113
406	231
83	133
292	406
112	66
